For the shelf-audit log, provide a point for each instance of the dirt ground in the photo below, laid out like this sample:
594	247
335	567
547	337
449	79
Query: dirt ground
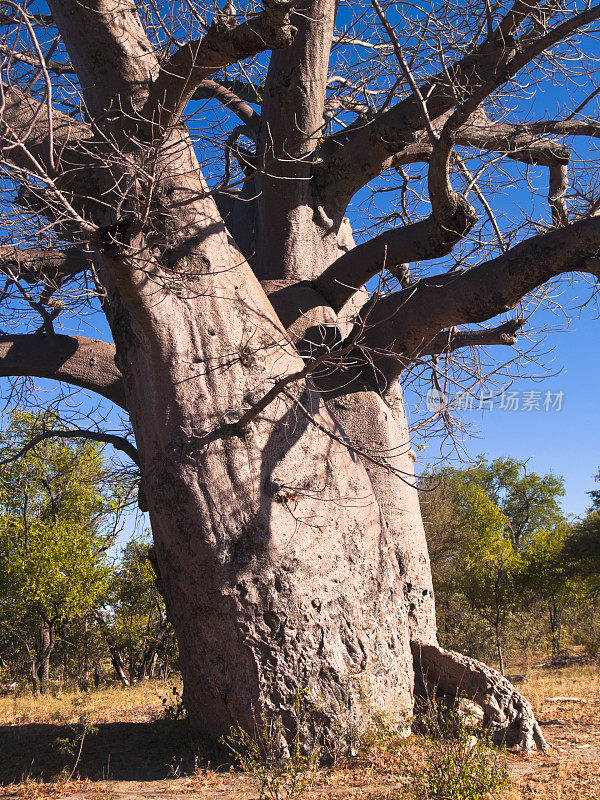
129	752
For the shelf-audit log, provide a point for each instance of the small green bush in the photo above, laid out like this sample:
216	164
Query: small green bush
285	770
280	776
458	764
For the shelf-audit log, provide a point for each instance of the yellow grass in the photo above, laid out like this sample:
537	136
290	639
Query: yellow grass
571	771
580	680
575	727
140	703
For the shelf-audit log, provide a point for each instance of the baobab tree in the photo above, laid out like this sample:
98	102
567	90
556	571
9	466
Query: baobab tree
188	171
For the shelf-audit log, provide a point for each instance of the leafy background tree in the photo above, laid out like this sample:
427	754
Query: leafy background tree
59	509
490	564
504	556
133	617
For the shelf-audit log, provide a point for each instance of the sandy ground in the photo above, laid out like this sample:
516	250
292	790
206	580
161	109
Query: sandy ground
141	757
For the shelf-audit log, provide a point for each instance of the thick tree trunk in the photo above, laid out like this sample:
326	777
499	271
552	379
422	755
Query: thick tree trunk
277	572
288	536
377	427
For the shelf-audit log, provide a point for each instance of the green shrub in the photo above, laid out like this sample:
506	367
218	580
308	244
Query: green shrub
458	764
285	770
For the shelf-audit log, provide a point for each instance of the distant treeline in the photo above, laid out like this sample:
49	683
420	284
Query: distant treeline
71	609
512	574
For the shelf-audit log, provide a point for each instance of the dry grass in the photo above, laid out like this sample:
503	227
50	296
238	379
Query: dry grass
571	771
141	703
562	782
40	790
579	680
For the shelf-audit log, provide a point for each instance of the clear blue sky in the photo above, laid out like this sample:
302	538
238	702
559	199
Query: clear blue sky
564	442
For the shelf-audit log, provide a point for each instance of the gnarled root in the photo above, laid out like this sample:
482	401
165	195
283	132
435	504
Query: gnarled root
507	714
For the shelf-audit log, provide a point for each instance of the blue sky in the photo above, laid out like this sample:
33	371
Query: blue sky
564	442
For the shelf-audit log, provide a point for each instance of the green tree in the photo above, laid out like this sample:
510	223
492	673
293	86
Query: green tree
55	499
582	549
133	618
479	523
595	495
528	501
488	578
580	556
460	627
551	578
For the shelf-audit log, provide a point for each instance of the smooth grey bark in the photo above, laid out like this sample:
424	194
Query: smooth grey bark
262	599
377	427
293	229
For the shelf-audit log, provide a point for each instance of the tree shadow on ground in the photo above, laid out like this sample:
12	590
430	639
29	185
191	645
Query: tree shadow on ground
117	750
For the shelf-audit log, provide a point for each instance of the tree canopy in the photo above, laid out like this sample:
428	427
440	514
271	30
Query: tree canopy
57	509
484	572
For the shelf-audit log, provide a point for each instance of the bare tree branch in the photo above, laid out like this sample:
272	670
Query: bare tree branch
187	68
118	442
421	241
88	363
36	19
521	142
355	158
247	92
557	193
453	339
40	265
407	321
231	100
59	67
